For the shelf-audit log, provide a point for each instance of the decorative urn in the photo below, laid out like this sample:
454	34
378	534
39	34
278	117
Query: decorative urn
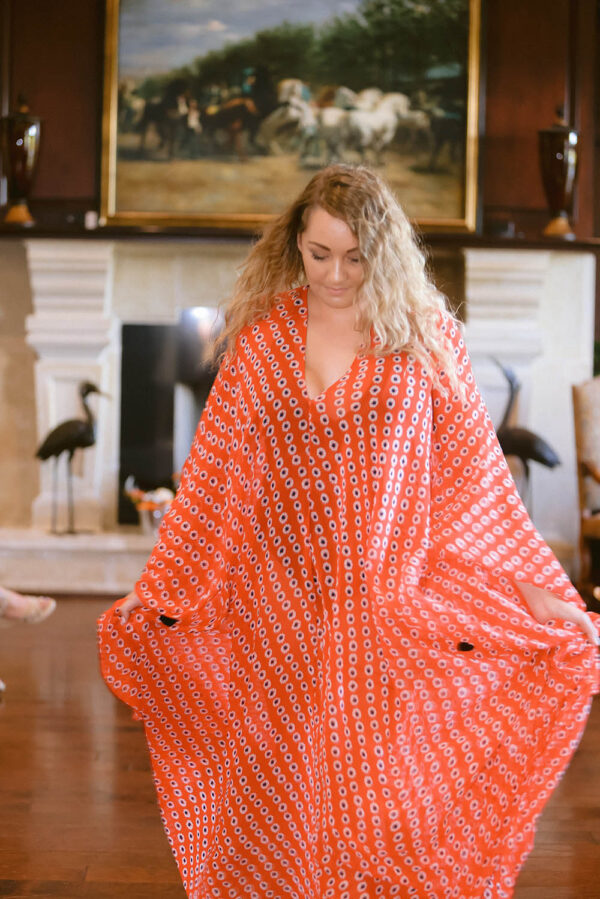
20	138
558	165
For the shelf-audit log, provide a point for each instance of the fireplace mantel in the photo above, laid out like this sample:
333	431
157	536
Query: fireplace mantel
531	306
434	240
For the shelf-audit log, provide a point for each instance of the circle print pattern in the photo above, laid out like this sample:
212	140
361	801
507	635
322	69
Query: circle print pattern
354	701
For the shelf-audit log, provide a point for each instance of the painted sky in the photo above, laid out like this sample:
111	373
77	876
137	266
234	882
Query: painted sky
158	35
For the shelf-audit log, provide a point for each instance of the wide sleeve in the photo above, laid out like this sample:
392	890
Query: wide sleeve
476	512
186	576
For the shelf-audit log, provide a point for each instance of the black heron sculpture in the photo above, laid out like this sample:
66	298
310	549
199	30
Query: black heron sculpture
68	436
521	442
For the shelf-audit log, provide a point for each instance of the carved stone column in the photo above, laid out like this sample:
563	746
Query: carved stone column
76	339
534	311
504	291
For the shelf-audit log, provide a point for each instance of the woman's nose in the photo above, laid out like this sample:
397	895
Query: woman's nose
337	269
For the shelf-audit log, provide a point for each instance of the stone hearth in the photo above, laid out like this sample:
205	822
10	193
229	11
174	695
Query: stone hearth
103	562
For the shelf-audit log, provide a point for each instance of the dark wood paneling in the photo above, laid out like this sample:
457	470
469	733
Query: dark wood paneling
526	68
57	65
533	65
4	77
584	113
5	11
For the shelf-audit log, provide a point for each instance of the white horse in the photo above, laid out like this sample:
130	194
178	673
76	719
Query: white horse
369	131
330	127
368	98
292	126
291	89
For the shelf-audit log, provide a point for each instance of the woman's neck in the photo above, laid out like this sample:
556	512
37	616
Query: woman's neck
340	321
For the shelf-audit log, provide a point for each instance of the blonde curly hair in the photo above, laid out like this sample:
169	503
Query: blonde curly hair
397	300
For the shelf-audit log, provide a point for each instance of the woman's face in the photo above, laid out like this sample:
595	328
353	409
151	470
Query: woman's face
331	258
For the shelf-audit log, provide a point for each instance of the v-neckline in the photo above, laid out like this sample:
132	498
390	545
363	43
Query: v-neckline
304	334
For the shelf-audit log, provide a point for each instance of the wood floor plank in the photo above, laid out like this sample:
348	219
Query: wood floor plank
66	890
78	816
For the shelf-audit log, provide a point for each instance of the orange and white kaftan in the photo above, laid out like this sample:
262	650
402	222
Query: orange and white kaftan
354	701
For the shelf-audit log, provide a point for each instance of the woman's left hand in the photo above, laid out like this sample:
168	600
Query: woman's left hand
128	605
544	605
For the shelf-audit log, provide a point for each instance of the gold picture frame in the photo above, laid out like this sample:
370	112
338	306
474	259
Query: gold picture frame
223	138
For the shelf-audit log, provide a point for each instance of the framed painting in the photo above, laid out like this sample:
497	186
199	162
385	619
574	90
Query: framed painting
216	114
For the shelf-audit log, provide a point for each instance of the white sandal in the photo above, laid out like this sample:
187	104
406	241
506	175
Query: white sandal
32	609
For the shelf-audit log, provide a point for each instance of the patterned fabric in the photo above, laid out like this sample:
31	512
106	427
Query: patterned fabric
355	701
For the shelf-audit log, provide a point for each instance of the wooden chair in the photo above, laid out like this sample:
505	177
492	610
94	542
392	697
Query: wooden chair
586	412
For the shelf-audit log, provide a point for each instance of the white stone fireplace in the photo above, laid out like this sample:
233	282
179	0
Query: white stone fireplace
532	309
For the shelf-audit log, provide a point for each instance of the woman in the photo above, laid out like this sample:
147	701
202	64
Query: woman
341	645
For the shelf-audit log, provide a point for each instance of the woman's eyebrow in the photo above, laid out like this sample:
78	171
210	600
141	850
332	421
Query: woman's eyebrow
322	246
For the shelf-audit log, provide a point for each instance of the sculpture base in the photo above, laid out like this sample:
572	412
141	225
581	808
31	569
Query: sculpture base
19	214
559	227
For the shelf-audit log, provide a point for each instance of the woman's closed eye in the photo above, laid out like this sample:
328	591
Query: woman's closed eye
319	258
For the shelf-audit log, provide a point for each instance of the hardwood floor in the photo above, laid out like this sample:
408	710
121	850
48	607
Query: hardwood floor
78	816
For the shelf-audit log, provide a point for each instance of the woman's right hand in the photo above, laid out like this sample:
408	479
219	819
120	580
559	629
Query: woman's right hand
127	605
